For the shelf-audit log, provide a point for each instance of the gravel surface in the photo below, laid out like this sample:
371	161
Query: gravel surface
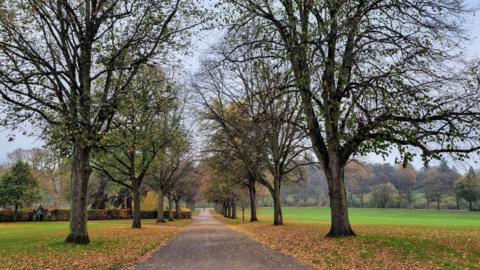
207	244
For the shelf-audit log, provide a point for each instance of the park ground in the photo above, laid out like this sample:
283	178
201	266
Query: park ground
387	238
115	245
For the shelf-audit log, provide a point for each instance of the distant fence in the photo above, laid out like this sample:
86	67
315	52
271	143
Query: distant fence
8	215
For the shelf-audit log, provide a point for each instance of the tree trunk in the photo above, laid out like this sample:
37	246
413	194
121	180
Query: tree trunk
160	217
79	182
137	215
234	210
224	210
340	224
361	200
229	210
170	208
129	203
15	217
438	203
253	202
277	204
470	205
457	200
243	214
177	209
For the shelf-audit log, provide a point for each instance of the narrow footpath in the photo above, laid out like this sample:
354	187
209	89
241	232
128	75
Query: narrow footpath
207	244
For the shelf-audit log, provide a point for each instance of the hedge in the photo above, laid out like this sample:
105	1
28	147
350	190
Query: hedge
7	215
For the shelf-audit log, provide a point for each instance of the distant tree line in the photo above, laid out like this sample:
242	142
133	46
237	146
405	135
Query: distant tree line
38	177
391	186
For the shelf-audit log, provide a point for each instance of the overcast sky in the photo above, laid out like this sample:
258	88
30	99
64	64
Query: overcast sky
473	49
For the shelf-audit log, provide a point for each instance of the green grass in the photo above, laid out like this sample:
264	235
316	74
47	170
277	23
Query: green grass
400	238
375	216
40	245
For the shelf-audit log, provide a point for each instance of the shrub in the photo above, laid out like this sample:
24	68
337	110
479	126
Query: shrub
7	215
57	214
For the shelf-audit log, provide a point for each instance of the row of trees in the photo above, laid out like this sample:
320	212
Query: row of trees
28	182
388	186
342	78
146	148
68	67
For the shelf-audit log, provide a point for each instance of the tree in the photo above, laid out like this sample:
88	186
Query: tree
141	128
384	195
226	139
172	164
49	168
468	188
244	202
248	104
67	64
439	181
405	182
356	178
372	76
18	187
185	187
222	189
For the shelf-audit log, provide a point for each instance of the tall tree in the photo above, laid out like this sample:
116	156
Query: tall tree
172	164
468	188
247	103
356	177
19	187
372	76
404	180
66	65
438	182
142	127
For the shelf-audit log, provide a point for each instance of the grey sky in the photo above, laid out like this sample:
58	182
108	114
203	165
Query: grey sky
473	49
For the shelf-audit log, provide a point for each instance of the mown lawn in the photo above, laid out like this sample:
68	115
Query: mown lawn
375	216
40	245
387	238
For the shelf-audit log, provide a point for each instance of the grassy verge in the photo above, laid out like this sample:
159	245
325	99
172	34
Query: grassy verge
40	245
376	216
421	240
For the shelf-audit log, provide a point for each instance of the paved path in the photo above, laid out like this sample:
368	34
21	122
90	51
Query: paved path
207	244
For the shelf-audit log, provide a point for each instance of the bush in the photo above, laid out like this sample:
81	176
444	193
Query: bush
57	214
149	214
7	215
383	195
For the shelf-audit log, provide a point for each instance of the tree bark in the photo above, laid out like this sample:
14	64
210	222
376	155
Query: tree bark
340	224
137	215
160	217
224	210
470	205
170	208
229	210
277	204
15	216
129	203
79	182
234	210
438	203
253	202
177	209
